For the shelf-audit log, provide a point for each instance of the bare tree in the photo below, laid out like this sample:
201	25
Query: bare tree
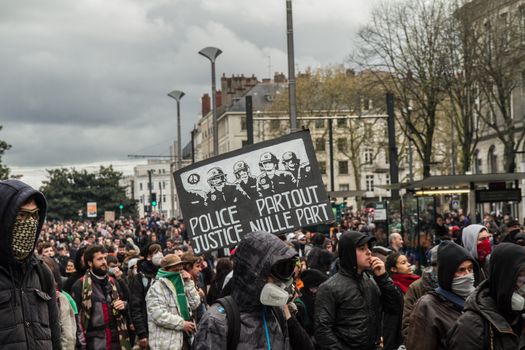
406	39
498	63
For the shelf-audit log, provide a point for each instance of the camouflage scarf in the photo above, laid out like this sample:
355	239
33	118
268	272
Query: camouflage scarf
85	312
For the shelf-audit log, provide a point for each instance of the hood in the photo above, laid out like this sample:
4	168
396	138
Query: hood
253	259
482	303
13	194
450	256
470	238
506	261
347	244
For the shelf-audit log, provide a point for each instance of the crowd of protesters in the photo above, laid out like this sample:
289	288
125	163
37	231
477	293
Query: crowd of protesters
136	283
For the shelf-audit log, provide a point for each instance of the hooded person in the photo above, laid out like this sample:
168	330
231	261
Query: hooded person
476	239
349	306
437	311
263	268
312	279
492	317
28	305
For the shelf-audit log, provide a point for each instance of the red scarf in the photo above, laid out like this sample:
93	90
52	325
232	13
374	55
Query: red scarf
404	280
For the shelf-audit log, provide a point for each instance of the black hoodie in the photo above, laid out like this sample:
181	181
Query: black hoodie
450	256
506	262
36	325
13	194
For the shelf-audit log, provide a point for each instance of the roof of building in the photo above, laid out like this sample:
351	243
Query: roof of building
262	97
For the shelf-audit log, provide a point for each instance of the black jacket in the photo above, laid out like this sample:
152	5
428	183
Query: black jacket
139	286
29	314
488	321
349	306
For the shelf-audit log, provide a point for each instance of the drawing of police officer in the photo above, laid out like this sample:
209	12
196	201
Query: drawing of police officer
301	172
245	181
271	179
221	193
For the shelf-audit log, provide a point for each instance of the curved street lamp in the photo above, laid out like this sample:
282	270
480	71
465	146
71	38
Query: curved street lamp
212	53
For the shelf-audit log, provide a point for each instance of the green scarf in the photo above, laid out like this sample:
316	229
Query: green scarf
176	279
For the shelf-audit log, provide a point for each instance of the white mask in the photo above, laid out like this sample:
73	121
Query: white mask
156	258
274	295
463	286
517	302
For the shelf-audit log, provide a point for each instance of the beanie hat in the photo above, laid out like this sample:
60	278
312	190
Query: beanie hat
313	278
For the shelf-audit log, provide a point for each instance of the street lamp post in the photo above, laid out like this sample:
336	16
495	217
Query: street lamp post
292	104
177	95
212	53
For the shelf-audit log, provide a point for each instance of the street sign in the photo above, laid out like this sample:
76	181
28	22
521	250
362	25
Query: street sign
494	196
380	212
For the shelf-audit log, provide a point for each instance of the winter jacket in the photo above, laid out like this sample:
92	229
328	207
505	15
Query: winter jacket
253	259
164	320
488	321
436	312
139	285
102	326
349	306
29	313
68	323
416	290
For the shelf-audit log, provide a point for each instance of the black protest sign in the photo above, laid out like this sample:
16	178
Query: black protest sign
273	186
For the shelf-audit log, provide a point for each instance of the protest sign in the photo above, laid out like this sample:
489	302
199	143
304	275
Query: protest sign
91	209
273	186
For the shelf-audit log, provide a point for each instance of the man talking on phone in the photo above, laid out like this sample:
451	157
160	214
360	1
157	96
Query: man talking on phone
349	306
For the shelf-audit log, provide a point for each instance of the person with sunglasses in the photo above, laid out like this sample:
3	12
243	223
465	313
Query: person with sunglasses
261	290
493	315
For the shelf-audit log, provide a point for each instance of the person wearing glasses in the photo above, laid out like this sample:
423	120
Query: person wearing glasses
28	303
437	311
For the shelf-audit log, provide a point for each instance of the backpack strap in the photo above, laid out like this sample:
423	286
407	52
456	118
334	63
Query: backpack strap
45	282
233	316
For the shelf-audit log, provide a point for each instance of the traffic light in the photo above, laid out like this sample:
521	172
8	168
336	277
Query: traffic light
154	199
121	206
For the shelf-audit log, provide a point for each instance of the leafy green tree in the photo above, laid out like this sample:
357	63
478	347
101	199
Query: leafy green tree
68	190
4	170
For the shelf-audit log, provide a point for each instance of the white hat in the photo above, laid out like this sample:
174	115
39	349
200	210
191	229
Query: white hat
290	236
132	262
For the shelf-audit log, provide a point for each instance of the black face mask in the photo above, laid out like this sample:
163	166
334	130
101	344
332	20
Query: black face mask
121	257
99	272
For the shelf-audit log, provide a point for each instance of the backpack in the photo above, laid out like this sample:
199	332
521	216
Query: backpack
233	315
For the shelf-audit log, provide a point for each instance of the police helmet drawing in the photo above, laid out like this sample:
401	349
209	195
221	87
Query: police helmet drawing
221	193
272	180
300	172
246	183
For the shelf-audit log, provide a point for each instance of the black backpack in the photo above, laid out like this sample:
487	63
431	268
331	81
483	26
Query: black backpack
233	316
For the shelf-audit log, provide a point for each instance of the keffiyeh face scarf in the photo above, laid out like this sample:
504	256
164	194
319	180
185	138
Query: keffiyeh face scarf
24	233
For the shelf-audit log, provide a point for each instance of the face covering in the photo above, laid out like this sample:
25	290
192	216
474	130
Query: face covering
111	271
517	302
484	249
23	237
157	257
274	295
98	272
463	285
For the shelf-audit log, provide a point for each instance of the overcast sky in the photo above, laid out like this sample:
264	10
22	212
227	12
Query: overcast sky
86	81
